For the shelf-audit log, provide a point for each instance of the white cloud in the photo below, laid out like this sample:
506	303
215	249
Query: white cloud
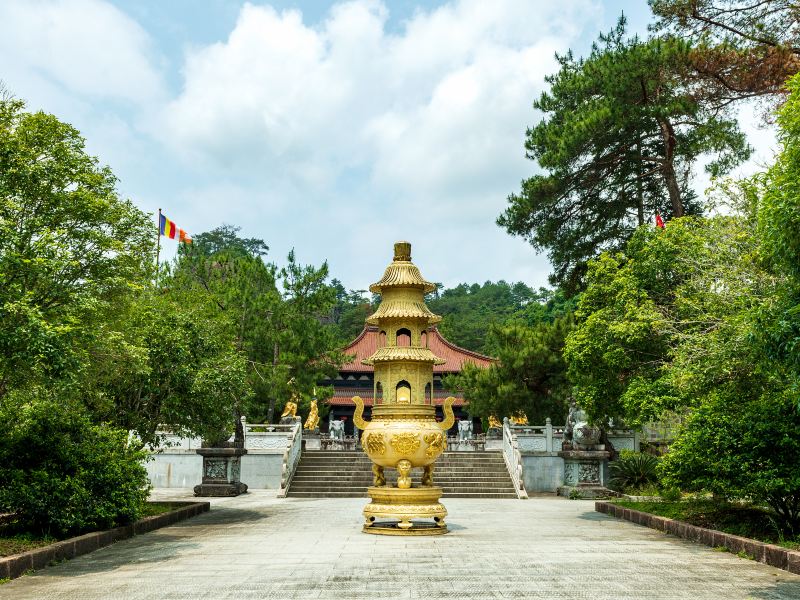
87	47
447	92
390	133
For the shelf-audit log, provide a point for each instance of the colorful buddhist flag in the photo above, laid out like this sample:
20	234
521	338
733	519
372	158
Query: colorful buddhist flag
659	221
168	229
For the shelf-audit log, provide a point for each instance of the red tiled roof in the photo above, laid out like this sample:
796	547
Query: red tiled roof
366	343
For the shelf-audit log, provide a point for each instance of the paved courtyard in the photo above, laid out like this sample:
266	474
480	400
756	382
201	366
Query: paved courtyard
257	546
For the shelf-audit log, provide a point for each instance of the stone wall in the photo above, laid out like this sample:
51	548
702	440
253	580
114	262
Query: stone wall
542	471
542	467
177	465
184	469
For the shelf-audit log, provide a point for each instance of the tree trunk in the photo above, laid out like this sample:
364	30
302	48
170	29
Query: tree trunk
272	399
668	135
639	191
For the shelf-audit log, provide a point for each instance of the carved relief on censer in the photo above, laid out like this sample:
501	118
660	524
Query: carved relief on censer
403	433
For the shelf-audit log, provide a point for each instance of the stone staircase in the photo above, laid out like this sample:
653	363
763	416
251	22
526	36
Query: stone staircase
346	474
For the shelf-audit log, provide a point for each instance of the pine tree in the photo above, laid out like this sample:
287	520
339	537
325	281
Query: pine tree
621	132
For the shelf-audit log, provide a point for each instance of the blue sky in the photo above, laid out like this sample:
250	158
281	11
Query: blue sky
332	128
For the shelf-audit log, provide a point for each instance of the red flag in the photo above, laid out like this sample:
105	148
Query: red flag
659	221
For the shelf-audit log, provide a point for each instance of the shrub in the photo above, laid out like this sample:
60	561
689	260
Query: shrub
743	448
62	474
671	495
633	470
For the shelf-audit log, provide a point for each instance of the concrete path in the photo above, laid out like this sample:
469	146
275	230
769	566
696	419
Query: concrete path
257	546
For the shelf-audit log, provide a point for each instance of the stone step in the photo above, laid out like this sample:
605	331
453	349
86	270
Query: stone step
362	494
368	481
455	456
451	456
368	467
448	487
347	474
438	468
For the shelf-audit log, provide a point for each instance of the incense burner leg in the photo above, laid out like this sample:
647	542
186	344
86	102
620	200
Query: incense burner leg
379	479
427	476
404	475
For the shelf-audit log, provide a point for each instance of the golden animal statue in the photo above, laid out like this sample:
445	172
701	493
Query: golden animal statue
403	433
290	410
519	419
312	422
494	422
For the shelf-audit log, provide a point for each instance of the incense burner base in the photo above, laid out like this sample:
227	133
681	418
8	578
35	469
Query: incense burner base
396	511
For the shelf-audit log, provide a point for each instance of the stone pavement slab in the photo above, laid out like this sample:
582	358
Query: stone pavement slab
258	546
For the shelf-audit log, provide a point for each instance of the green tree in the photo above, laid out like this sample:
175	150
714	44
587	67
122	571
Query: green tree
69	246
742	49
621	134
78	313
167	359
349	313
225	238
649	315
468	311
685	321
530	374
743	447
276	314
778	224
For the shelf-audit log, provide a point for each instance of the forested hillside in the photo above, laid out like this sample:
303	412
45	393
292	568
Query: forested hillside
468	311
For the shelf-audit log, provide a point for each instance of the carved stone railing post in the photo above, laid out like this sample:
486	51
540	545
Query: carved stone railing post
291	457
548	431
513	459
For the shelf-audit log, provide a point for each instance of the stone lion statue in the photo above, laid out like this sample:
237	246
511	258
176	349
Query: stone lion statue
464	430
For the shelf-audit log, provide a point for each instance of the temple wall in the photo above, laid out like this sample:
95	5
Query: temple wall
184	469
542	471
177	465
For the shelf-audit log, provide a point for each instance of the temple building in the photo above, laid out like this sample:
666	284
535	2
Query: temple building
357	379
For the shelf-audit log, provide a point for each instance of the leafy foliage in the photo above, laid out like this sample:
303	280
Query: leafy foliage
743	49
778	224
62	474
743	446
468	311
633	470
69	246
697	318
349	313
621	133
530	375
666	318
167	360
276	315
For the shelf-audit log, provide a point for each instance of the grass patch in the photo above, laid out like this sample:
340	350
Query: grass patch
13	541
159	508
22	542
744	520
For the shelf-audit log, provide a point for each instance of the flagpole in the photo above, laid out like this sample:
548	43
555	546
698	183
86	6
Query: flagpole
158	240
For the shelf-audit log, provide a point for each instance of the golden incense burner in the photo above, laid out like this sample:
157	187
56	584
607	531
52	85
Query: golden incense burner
403	433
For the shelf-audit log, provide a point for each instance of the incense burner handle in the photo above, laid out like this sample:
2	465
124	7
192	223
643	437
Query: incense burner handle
359	413
449	417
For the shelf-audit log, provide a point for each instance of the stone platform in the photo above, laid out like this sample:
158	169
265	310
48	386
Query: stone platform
257	546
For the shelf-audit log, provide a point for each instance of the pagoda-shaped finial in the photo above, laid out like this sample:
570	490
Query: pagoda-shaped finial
402	251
